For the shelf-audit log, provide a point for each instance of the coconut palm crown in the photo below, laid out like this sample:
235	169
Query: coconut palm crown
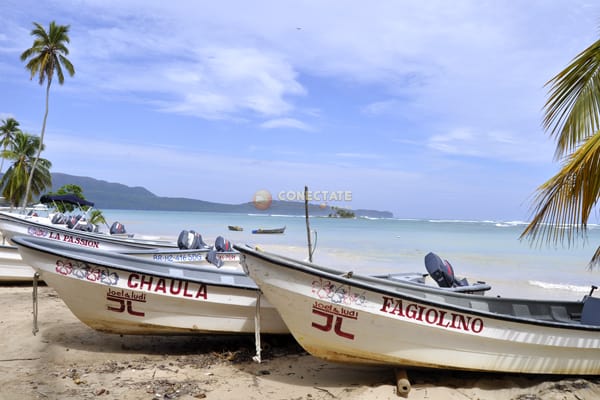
47	57
564	203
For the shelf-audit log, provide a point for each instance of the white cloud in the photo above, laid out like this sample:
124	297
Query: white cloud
286	123
496	145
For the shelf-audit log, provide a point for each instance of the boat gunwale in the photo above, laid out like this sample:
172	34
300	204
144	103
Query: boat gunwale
87	255
132	242
363	283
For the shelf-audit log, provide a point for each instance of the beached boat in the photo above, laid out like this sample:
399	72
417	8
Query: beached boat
74	230
221	254
347	317
12	267
269	230
123	294
235	228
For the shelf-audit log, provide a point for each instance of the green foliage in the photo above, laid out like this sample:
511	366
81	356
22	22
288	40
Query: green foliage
341	213
68	189
47	57
8	131
564	203
95	217
22	154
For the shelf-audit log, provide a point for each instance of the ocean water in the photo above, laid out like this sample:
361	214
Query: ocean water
487	251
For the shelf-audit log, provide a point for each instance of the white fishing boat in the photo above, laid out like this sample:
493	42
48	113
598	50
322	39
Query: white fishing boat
123	294
75	230
192	250
12	267
346	317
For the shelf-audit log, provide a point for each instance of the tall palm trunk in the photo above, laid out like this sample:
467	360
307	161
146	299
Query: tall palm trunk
37	156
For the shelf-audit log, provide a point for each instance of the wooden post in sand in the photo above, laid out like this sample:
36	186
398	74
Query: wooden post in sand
307	223
402	383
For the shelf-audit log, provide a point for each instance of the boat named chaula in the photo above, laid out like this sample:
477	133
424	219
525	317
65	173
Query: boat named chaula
117	293
347	317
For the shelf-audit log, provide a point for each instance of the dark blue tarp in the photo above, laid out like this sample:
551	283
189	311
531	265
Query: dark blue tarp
65	198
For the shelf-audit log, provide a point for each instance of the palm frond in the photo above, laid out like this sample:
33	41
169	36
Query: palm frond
563	203
573	107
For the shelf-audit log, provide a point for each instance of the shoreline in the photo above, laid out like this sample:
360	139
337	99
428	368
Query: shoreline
68	360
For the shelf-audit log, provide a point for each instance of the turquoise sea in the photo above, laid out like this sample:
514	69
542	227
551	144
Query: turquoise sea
489	251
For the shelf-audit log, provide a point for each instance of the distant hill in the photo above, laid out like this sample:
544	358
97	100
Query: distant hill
109	195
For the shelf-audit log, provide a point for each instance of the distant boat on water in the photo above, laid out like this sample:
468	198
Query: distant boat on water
269	230
235	228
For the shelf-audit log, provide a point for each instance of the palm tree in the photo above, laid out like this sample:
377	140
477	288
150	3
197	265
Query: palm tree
563	204
22	154
47	57
8	131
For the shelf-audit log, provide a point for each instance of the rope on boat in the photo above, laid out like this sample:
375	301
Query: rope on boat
36	277
257	329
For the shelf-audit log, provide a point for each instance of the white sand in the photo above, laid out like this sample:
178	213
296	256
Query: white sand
67	360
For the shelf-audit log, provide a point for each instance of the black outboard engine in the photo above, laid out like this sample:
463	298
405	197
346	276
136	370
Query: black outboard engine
59	218
201	244
86	227
212	258
442	272
222	244
187	240
117	228
73	220
190	240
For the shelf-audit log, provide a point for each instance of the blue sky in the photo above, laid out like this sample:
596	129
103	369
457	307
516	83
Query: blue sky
427	109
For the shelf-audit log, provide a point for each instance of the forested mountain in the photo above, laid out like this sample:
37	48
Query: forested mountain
109	195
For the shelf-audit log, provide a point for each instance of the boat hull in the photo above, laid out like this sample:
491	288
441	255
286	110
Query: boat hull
12	267
230	259
336	319
125	295
12	224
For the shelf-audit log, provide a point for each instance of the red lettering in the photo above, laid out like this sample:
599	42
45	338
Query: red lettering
185	290
130	283
173	289
146	282
328	321
202	292
431	316
386	303
441	321
160	286
411	311
477	328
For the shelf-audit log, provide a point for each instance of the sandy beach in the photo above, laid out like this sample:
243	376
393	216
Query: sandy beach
67	360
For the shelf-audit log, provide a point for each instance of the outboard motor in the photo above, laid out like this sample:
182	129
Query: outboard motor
201	243
212	258
442	272
187	240
73	220
222	244
59	218
85	226
117	228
